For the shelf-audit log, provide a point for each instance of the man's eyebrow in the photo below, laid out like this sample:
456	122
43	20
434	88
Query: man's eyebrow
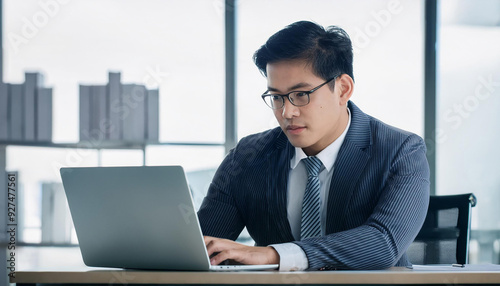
299	85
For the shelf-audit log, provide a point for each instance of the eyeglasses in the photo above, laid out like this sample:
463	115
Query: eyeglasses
297	98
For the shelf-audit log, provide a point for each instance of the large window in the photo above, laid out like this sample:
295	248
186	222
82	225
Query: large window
468	115
176	46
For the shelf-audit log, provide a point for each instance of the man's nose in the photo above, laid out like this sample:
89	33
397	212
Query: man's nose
289	110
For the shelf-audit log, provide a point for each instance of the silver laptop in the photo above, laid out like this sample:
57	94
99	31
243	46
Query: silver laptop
138	217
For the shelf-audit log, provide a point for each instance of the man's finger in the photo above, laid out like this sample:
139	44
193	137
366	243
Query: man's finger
211	248
218	245
217	259
223	256
208	239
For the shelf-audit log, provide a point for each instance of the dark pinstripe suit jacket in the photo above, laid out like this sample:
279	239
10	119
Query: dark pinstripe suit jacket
376	205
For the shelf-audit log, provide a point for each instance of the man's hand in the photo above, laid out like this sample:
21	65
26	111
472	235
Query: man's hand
228	249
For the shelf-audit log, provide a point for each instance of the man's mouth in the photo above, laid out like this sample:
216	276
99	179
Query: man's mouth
295	129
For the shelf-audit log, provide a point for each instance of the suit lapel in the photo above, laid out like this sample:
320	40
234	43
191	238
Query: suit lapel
351	161
278	184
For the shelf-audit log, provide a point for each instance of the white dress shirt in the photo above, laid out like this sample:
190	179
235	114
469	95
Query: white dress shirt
292	257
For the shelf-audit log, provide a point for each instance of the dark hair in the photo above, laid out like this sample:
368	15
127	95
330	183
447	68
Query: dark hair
329	51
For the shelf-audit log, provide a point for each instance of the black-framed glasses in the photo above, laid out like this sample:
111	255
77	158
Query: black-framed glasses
297	98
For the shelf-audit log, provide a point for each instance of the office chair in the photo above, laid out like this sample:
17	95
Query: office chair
444	237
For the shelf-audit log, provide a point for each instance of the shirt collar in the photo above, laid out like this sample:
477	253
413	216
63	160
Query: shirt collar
328	155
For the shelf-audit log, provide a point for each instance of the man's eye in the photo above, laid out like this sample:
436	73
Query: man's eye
301	94
275	97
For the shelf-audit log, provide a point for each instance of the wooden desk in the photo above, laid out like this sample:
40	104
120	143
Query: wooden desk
471	274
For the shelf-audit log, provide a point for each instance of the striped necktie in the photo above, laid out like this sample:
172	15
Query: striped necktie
310	225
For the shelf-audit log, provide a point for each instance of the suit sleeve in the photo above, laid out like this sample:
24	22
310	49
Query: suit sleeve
396	220
219	215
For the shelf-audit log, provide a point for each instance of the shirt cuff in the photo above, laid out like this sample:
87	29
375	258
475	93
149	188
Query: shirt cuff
292	257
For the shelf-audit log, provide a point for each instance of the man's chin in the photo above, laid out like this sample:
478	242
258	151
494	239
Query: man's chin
297	143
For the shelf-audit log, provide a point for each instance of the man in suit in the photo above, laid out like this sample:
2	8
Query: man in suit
332	187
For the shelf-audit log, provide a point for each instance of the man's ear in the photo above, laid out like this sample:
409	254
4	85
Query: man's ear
346	85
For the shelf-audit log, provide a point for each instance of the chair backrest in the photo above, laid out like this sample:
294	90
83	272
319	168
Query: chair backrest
444	237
